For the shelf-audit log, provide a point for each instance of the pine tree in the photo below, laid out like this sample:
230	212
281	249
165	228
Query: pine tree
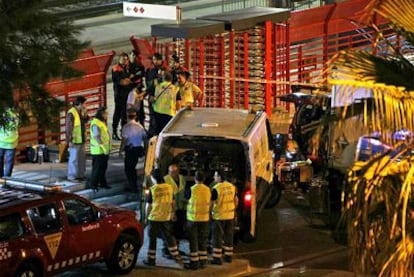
35	47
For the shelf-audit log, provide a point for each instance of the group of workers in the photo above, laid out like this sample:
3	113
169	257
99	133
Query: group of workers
167	90
133	142
174	209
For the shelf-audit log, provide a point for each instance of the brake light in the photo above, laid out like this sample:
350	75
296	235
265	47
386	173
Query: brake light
247	199
290	131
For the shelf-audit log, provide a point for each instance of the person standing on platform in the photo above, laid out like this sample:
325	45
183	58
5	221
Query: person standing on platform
153	77
133	142
135	101
137	73
167	101
225	201
100	149
121	79
198	216
76	119
159	213
9	139
175	68
191	95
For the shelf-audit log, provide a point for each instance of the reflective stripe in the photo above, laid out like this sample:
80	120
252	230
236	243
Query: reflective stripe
228	250
194	257
202	255
72	261
151	254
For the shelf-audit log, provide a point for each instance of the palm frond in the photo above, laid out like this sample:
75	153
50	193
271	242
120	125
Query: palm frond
369	68
377	206
392	10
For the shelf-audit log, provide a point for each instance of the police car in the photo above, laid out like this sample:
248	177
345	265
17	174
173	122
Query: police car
43	232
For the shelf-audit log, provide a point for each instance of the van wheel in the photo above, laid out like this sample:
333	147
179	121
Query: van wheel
245	235
125	254
276	195
29	270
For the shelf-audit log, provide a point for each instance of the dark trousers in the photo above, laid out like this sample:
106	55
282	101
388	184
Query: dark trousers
179	224
151	128
99	166
160	121
178	227
121	99
223	231
154	228
132	155
197	236
141	114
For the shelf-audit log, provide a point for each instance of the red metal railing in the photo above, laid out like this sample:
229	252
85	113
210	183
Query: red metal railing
92	85
246	68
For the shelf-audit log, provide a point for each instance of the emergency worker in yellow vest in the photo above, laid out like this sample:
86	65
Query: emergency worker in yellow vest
76	119
191	95
9	139
224	200
167	101
160	210
177	181
100	148
198	216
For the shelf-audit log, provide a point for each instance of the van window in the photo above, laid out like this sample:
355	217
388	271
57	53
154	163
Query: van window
11	227
45	219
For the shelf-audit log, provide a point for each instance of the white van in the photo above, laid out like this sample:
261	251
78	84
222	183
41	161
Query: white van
236	141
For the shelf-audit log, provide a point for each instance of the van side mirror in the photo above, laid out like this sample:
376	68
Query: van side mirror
280	142
279	145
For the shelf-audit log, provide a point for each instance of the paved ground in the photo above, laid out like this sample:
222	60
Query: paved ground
288	243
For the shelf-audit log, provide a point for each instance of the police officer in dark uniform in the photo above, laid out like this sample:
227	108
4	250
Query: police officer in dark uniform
133	142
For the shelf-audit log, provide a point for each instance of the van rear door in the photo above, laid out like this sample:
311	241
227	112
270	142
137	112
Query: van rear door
150	156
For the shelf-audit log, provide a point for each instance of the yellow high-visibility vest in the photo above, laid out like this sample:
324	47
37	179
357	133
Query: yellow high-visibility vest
178	190
165	98
223	206
162	200
198	207
9	134
77	128
105	147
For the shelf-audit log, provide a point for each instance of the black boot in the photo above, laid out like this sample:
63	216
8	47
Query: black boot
115	135
149	262
192	265
216	261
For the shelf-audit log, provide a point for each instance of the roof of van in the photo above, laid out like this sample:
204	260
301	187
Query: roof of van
211	122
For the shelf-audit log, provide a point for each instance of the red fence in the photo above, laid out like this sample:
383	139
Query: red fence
92	85
251	67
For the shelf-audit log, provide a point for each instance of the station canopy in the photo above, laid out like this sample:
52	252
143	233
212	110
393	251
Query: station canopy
249	18
188	28
219	23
